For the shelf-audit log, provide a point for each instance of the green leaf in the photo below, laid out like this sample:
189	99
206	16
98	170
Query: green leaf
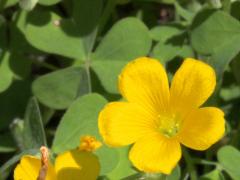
20	65
164	32
223	46
108	76
18	42
13	102
124	167
72	38
230	93
223	55
47	113
166	52
48	2
184	13
108	158
50	33
33	131
6	75
7	3
79	120
28	4
213	175
128	39
175	175
229	158
60	88
88	29
225	29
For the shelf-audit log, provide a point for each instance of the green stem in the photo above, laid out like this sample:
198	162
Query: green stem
106	14
209	155
205	162
190	164
236	135
152	176
44	64
226	6
209	163
139	14
87	67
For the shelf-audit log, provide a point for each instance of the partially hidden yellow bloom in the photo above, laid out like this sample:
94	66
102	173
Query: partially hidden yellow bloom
74	164
157	119
89	143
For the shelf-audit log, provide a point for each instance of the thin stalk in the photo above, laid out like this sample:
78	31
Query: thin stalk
110	5
209	163
205	162
226	6
87	68
46	65
152	176
190	164
209	155
236	135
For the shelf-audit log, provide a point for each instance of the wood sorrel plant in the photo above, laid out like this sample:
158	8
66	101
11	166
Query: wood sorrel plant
151	80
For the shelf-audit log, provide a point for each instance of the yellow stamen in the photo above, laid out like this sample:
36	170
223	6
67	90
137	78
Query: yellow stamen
89	143
168	125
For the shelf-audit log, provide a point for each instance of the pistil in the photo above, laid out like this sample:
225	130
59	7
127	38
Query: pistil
168	125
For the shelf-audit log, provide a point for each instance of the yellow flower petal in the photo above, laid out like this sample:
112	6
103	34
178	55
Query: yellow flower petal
202	128
192	84
122	123
28	169
77	165
144	81
155	153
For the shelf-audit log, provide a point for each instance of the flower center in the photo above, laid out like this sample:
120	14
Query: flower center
168	125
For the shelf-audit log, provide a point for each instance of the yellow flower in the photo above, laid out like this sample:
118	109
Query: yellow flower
75	165
157	118
29	167
89	143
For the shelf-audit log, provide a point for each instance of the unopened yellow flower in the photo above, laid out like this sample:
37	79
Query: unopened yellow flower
89	143
157	118
75	165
